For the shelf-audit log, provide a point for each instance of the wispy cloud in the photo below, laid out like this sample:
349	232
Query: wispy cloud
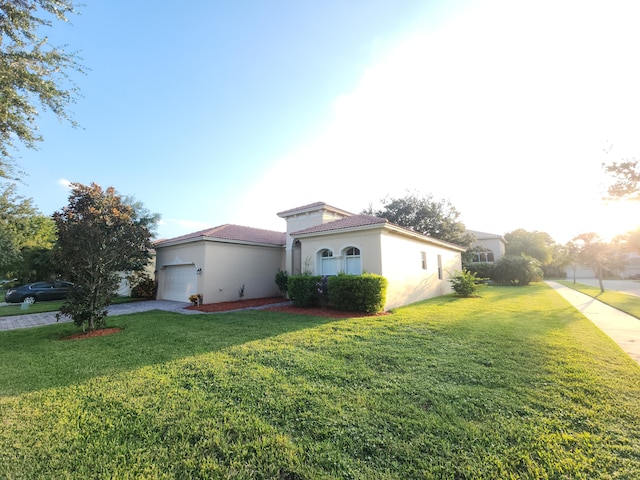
64	183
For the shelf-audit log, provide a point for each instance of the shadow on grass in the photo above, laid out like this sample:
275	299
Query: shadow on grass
38	358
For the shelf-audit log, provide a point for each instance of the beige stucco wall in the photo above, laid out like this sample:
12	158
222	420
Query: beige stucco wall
225	268
396	257
367	241
402	267
301	221
228	266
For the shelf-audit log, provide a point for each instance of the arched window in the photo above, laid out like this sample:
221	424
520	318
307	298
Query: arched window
328	265
352	261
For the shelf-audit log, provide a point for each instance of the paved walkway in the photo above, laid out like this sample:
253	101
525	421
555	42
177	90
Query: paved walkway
37	319
624	329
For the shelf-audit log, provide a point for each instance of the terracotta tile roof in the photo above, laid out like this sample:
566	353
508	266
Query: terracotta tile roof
356	221
232	232
349	222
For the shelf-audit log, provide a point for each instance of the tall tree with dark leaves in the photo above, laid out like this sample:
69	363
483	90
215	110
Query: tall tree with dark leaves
423	214
32	73
100	234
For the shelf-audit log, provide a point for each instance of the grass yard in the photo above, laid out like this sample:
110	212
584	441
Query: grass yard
513	385
622	301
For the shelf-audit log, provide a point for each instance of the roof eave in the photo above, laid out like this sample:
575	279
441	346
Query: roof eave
219	240
359	228
383	226
424	238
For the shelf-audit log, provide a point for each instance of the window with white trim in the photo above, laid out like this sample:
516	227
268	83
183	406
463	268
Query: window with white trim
328	263
423	256
481	257
352	261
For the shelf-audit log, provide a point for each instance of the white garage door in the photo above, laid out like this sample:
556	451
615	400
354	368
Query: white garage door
179	282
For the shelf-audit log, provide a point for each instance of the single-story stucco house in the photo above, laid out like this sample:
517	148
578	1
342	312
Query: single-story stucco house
319	239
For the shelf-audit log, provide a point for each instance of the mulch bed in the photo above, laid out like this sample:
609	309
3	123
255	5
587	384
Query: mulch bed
258	302
236	304
101	332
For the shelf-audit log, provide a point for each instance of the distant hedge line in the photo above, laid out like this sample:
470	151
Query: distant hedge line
352	293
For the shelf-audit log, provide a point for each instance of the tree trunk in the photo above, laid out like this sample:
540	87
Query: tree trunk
600	279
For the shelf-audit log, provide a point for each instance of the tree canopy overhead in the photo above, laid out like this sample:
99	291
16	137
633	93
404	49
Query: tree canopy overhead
100	234
32	72
22	227
438	219
626	176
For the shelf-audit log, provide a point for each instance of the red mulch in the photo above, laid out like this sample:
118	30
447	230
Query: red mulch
257	302
96	333
236	305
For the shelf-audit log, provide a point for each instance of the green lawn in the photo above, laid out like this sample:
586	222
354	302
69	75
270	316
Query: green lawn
513	385
620	300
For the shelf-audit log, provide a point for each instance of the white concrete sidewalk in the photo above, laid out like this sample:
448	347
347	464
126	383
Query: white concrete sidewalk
623	328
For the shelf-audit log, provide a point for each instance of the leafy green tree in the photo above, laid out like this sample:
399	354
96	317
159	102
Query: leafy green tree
32	72
538	245
438	219
100	234
626	176
600	256
571	251
22	227
519	270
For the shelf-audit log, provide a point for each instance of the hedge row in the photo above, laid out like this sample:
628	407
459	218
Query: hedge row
352	293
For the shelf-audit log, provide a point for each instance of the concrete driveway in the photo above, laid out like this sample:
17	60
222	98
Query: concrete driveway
37	319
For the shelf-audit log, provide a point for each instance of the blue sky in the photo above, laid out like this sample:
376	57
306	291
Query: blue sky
215	112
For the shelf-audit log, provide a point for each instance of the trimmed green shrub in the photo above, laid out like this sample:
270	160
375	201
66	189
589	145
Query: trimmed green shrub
358	293
480	269
465	283
282	281
302	289
517	270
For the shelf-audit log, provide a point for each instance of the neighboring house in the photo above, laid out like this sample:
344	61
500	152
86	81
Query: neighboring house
630	269
320	240
124	288
488	247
